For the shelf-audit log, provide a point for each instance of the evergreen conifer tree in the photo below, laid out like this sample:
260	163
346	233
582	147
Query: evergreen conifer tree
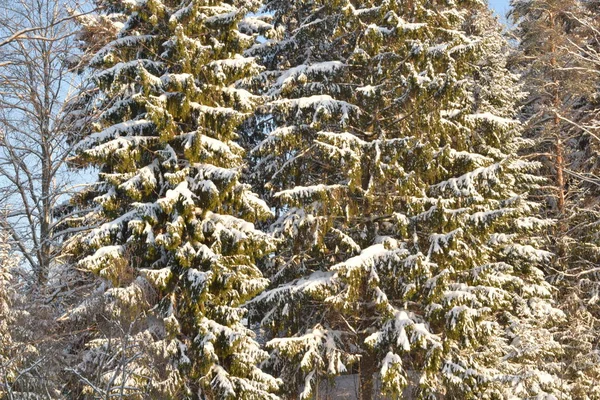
557	56
408	244
7	367
171	224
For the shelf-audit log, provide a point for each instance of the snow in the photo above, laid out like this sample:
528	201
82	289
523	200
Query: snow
260	208
97	236
274	137
486	217
232	223
126	41
342	138
476	159
313	283
135	3
221	382
308	192
528	252
119	146
367	90
529	223
147	210
460	294
409	26
127	127
389	359
121	67
205	186
254	24
438	50
494	119
230	66
144	178
497	239
379	29
197	278
346	240
290	75
367	259
224	18
180	192
102	257
158	277
320	103
466	184
522	165
206	254
309	25
439	241
316	347
211	144
393	328
225	112
180	13
246	99
214	173
179	79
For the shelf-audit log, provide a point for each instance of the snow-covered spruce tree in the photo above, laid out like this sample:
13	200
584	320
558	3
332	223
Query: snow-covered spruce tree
557	56
407	238
7	368
172	234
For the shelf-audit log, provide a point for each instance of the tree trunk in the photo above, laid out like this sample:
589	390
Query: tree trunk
560	177
368	368
559	160
559	163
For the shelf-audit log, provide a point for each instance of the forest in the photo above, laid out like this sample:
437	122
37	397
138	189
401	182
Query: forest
299	200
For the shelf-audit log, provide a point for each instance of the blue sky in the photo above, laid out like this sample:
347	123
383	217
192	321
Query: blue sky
500	6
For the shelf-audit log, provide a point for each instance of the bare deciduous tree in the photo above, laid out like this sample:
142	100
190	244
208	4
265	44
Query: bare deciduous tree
37	44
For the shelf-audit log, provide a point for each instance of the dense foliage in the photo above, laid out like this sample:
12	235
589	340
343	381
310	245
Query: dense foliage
287	196
173	238
403	211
